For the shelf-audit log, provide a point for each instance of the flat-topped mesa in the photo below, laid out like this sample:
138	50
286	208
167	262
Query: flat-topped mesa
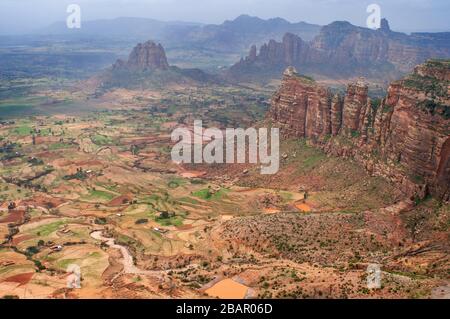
409	130
145	57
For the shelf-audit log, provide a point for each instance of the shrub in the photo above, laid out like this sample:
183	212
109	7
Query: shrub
141	221
32	250
100	221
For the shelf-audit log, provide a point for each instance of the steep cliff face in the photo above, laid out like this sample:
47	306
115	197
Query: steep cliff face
404	137
273	57
355	103
342	49
416	134
302	107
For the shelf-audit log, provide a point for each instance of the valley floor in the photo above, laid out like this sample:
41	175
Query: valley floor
98	191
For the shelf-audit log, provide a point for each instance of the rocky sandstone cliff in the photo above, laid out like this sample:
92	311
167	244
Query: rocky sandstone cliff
342	49
405	137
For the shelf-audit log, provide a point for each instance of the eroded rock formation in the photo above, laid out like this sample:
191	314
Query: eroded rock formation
144	57
405	137
342	49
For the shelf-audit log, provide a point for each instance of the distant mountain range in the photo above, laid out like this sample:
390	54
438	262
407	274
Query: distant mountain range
343	50
231	36
337	50
120	28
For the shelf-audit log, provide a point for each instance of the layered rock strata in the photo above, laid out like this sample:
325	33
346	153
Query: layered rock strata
405	137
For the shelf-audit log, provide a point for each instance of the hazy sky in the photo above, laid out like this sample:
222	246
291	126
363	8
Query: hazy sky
404	15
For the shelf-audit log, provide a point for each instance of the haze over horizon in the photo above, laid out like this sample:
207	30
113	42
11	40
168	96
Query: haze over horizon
27	16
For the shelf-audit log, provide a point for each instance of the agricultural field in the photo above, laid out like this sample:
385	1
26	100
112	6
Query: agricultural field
98	191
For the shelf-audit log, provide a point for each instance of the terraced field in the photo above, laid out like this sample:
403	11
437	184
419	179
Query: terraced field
98	192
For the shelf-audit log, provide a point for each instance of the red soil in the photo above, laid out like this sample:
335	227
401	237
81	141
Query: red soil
45	154
18	240
13	216
89	163
184	227
44	201
118	201
140	140
21	279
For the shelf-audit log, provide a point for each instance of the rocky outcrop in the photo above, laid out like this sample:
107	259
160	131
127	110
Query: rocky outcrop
355	103
301	107
273	57
145	57
342	49
336	114
405	137
236	35
147	68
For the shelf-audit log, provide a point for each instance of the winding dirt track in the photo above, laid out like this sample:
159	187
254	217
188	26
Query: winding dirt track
127	259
